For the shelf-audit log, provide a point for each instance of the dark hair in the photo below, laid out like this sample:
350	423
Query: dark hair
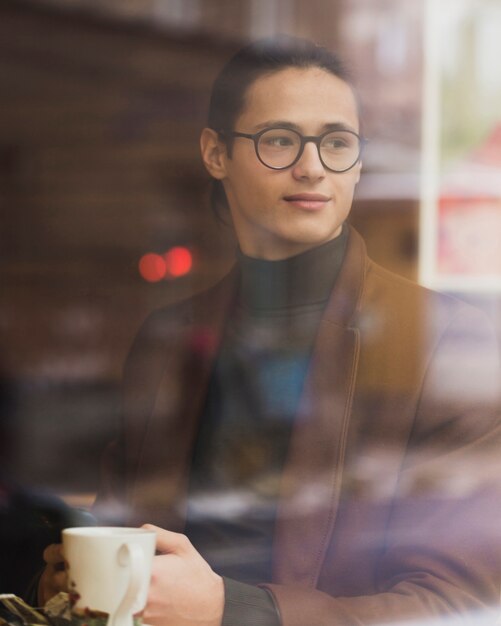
257	59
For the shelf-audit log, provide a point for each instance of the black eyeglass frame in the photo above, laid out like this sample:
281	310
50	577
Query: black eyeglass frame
304	139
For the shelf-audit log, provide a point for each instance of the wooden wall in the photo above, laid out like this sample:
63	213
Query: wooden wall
99	164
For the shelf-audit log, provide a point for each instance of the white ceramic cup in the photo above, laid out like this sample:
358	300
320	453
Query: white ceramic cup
109	570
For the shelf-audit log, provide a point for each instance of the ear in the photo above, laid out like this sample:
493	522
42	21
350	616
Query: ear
213	153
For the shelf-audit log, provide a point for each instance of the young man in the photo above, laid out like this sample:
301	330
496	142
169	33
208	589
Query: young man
316	426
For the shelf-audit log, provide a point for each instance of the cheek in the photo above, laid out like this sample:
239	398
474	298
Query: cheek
244	196
349	184
254	187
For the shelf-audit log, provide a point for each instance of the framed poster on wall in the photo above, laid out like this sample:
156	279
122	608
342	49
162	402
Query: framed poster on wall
460	226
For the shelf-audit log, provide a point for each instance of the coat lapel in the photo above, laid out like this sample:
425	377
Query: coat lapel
162	470
312	476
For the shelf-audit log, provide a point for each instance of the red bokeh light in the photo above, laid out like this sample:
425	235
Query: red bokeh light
179	261
152	267
176	262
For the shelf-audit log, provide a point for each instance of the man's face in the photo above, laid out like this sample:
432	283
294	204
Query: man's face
280	213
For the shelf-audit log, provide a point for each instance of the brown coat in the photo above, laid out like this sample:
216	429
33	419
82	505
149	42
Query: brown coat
388	507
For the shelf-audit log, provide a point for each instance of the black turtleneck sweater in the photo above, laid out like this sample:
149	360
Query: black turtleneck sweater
249	413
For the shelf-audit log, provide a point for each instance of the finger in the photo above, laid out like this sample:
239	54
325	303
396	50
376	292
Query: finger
169	542
59	581
51	583
53	554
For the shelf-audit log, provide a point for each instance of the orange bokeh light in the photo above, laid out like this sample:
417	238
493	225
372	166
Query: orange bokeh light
152	267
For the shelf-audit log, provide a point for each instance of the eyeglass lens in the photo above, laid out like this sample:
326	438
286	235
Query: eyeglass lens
279	148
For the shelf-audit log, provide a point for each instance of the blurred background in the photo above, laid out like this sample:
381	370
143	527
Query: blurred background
103	198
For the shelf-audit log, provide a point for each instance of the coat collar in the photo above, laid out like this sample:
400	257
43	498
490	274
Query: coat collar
158	467
346	297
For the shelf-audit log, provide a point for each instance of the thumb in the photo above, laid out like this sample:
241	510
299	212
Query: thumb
169	542
53	554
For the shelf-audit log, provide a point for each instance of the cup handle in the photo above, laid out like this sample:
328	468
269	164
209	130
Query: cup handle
132	557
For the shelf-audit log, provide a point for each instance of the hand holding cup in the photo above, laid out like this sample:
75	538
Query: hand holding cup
108	570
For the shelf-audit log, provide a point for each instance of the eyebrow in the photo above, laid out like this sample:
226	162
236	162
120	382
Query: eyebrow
285	124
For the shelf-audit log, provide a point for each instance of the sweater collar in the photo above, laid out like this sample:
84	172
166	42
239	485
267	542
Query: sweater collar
305	279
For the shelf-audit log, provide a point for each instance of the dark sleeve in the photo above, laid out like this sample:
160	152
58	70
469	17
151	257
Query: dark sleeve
246	605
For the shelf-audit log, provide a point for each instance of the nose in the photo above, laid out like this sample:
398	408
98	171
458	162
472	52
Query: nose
309	165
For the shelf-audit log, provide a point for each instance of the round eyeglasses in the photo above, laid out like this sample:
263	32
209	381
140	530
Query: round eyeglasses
280	148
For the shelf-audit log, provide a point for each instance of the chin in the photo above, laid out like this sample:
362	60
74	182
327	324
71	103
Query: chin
316	237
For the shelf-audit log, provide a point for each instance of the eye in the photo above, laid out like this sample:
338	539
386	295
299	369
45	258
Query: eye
278	139
337	142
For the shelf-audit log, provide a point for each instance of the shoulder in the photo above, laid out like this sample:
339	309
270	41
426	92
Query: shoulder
407	330
404	300
179	326
170	336
198	309
374	297
381	282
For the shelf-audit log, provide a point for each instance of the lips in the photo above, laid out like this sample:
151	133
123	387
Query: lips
308	201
